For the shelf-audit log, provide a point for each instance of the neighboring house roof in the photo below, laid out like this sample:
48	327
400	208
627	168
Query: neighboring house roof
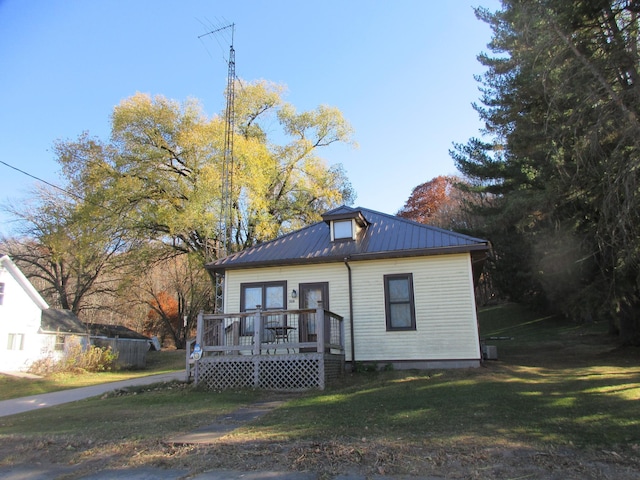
61	321
382	236
7	264
113	331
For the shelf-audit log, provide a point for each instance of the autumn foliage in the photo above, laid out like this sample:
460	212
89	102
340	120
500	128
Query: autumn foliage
437	202
163	316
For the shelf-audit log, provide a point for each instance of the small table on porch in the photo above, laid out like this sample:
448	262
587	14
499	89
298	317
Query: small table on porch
281	333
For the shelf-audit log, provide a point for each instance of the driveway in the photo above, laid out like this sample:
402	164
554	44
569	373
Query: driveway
33	402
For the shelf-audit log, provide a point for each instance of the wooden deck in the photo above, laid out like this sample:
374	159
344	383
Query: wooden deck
272	349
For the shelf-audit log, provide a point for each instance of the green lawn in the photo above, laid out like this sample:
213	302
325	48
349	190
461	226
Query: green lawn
157	362
556	385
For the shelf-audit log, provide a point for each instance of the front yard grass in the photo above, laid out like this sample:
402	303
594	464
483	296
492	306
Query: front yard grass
561	398
157	362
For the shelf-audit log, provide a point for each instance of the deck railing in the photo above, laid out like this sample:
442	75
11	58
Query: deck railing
267	332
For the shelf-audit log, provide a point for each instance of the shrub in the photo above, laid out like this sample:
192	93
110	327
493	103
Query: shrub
77	359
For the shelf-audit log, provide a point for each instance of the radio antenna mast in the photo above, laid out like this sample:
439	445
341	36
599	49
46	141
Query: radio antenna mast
226	200
226	188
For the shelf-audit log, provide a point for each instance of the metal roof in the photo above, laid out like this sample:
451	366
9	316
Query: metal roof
62	321
113	331
385	236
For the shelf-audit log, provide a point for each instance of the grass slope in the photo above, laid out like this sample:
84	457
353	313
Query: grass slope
561	402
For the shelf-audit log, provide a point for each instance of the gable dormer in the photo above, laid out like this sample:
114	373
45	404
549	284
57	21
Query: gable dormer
345	223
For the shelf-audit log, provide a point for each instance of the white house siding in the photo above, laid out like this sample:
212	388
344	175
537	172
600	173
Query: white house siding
333	273
446	324
18	315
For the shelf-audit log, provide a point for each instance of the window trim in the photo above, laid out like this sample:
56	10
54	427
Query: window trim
12	343
244	328
410	302
335	223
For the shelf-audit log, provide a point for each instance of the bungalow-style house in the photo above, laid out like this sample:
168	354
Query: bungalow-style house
374	288
29	329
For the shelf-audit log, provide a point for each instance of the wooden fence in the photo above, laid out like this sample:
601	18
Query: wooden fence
132	353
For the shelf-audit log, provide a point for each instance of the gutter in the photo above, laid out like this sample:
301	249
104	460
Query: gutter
353	350
235	263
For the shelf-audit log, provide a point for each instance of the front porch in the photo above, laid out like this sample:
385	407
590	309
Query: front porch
267	349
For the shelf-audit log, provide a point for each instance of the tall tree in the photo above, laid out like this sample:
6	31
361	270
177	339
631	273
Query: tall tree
154	188
561	104
73	254
162	169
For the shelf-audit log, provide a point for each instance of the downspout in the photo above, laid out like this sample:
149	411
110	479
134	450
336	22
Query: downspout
353	343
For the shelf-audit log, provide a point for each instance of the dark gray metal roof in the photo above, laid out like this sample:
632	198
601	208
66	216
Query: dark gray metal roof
385	236
62	321
113	331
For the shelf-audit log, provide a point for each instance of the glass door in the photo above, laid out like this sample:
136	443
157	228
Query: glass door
310	295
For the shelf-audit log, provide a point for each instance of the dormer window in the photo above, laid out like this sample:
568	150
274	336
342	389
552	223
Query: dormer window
342	229
345	223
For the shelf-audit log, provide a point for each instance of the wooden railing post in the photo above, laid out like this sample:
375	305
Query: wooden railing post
320	330
188	366
257	330
199	332
200	328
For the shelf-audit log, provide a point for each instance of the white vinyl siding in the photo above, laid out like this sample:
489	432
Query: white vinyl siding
446	324
20	342
335	274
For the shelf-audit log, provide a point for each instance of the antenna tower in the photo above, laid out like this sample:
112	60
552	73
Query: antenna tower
226	197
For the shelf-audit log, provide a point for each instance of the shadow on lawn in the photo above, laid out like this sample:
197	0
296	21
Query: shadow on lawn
582	406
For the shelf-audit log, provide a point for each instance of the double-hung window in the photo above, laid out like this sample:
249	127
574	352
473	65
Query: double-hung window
268	295
60	340
16	341
399	305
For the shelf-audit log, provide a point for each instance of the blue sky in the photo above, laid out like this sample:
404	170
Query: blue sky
401	72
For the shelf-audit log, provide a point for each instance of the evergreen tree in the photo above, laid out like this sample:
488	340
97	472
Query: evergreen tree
561	103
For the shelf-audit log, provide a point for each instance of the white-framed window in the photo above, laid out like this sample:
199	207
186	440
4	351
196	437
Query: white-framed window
60	339
342	229
16	341
399	304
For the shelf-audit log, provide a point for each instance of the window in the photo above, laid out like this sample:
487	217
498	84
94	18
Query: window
1	292
16	341
398	302
60	343
269	296
342	229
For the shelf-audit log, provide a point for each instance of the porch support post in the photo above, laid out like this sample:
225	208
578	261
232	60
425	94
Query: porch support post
199	330
320	330
257	331
200	327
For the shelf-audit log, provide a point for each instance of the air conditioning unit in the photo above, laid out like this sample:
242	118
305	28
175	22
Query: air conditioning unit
489	352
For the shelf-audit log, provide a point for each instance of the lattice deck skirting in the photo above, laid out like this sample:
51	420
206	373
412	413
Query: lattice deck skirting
270	372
